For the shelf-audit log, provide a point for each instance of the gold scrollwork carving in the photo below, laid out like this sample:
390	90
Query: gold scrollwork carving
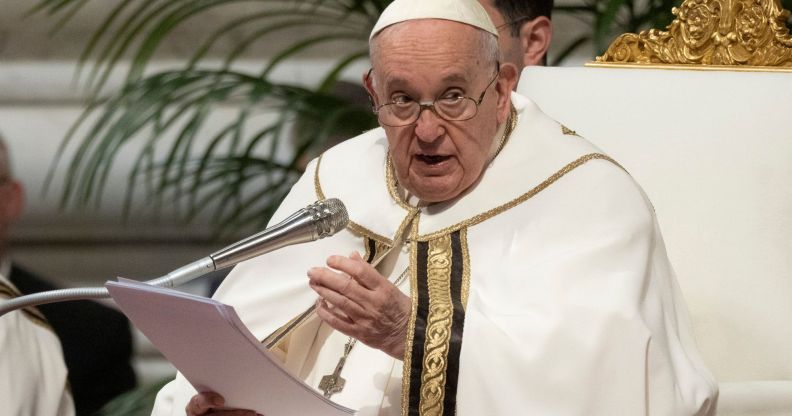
711	32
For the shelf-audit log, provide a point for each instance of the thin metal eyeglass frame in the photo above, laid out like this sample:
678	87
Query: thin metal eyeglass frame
431	105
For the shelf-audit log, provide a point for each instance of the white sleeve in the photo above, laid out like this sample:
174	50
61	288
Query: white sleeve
585	317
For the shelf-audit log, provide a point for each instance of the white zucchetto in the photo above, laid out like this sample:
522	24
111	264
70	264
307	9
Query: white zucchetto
464	11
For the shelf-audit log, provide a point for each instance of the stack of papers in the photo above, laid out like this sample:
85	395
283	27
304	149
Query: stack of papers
208	343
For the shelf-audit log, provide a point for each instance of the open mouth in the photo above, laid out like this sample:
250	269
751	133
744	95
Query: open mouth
432	159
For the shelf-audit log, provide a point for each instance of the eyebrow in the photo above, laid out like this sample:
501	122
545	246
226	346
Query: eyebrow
456	77
399	82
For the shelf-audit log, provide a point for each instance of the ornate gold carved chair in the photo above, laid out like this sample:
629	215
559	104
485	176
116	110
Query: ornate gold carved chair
700	116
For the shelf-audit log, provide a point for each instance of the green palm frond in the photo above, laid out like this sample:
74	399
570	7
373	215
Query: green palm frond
237	173
135	29
243	169
235	170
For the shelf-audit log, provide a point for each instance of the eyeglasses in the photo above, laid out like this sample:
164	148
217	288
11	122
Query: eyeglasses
403	110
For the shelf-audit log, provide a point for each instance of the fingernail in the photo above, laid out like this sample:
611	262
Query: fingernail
217	401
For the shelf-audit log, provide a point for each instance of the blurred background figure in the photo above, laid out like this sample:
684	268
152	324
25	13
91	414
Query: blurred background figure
32	371
96	340
524	29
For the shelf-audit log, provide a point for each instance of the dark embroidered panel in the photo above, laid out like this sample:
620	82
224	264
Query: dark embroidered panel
440	314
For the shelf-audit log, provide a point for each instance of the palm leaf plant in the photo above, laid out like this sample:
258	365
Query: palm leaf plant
237	173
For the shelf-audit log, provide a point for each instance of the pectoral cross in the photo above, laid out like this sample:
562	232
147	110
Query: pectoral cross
334	383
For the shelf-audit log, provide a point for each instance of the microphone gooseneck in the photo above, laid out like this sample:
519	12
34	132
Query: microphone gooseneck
318	220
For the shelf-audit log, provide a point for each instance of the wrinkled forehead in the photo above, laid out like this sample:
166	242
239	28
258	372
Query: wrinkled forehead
432	48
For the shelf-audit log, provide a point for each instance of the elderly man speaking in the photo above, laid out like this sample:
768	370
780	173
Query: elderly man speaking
500	265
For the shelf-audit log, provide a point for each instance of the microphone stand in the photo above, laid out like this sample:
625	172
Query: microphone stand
318	220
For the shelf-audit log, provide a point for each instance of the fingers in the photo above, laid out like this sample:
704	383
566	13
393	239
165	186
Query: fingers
337	322
204	402
207	402
349	307
354	265
340	283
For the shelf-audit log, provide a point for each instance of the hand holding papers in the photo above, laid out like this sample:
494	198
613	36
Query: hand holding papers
213	349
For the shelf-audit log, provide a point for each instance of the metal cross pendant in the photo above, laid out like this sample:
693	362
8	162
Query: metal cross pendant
334	383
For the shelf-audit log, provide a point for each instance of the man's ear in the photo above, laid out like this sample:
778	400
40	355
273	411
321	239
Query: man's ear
535	36
368	83
506	82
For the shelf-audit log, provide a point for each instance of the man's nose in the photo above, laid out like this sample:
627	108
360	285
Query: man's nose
429	125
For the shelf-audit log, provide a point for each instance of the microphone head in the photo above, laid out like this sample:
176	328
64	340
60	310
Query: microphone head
329	215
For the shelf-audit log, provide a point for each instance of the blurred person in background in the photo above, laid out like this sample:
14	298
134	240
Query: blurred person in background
33	375
96	340
524	30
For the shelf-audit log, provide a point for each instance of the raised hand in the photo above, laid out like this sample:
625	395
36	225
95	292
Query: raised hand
359	302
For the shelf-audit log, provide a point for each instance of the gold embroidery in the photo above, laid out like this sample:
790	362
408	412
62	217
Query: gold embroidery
362	231
511	123
408	343
711	33
352	226
274	339
438	327
465	267
567	131
368	248
688	67
380	249
393	184
517	201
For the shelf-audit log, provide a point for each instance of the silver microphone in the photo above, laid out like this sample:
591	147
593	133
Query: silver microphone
318	220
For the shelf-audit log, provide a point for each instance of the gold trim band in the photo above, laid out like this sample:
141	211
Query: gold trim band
689	67
438	327
352	226
519	200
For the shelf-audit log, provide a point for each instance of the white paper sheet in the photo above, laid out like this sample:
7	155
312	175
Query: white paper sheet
206	341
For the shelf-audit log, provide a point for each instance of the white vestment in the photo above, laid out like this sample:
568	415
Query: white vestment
32	371
551	272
